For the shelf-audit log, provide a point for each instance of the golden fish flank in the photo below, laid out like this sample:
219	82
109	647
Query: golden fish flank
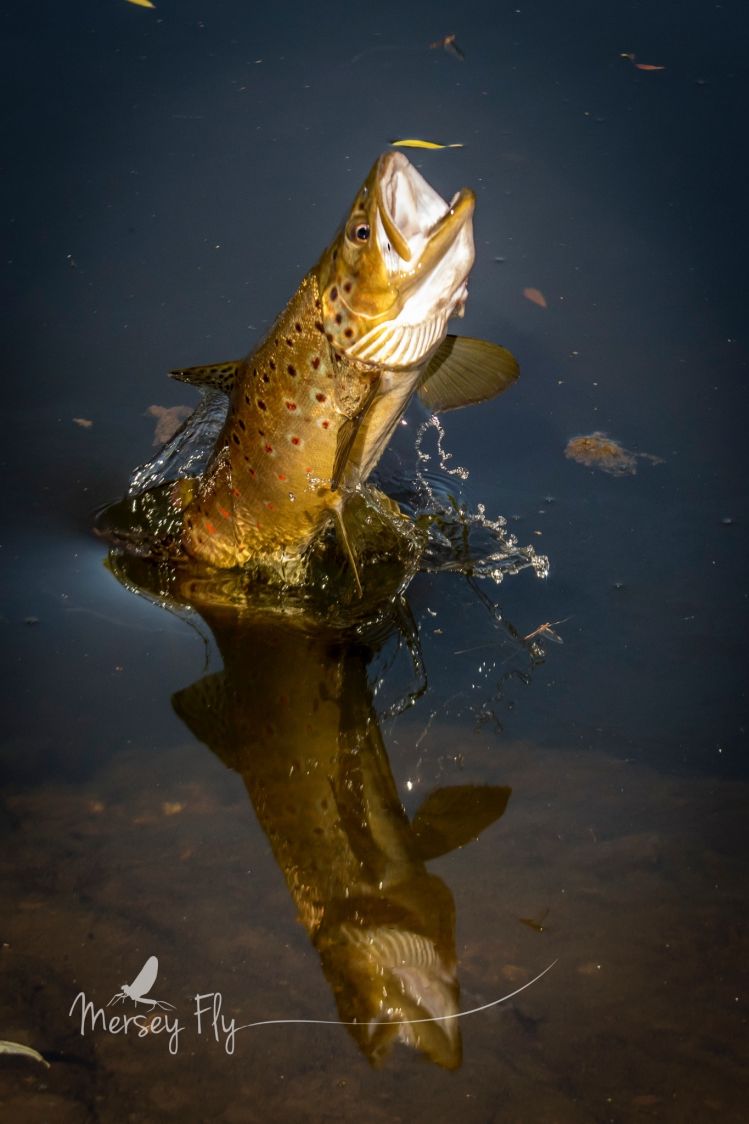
311	410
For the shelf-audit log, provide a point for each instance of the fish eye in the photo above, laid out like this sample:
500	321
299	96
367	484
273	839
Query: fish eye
359	232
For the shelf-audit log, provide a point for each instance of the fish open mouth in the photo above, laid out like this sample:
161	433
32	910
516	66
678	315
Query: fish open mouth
426	245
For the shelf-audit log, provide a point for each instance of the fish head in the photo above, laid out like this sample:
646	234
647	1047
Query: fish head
398	268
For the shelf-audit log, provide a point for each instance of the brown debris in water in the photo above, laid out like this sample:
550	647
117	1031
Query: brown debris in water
168	421
598	450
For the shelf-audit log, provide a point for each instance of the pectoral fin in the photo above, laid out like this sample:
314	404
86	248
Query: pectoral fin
463	371
217	376
347	435
452	817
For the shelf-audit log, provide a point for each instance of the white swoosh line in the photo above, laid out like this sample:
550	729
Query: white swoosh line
405	1022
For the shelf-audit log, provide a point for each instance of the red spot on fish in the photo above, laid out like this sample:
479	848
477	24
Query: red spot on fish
325	424
321	397
269	448
282	476
295	441
291	405
209	527
223	511
268	504
236	492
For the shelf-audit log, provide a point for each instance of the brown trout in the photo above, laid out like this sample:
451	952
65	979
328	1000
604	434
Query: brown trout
313	407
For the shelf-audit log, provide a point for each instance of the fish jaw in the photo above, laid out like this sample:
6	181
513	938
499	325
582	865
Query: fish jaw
398	269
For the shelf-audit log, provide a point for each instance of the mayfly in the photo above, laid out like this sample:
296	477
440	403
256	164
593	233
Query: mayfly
142	983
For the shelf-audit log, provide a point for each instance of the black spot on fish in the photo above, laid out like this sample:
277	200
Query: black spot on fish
334	294
298	326
338	318
291	370
316	362
235	438
272	364
242	425
348	333
261	405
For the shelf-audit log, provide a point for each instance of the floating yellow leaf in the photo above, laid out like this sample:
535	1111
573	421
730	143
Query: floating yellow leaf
84	423
142	3
411	142
536	296
648	66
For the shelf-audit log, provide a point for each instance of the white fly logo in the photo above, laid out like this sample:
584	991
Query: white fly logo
143	982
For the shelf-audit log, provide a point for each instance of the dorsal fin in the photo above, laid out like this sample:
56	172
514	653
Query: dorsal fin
217	376
463	371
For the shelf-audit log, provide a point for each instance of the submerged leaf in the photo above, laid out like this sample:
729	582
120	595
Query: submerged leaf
648	66
412	142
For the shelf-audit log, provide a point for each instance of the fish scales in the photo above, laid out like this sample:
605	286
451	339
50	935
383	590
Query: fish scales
269	482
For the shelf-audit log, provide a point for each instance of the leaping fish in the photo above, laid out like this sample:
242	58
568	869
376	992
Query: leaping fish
312	409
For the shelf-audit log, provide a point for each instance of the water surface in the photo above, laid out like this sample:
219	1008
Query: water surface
172	175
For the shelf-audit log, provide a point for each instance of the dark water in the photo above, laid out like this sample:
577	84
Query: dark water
170	175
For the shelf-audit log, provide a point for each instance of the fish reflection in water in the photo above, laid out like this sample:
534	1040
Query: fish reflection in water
292	712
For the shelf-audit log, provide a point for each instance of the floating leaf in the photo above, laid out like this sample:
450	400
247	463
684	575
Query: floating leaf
23	1051
536	296
142	3
648	66
449	44
84	423
597	450
168	421
411	142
